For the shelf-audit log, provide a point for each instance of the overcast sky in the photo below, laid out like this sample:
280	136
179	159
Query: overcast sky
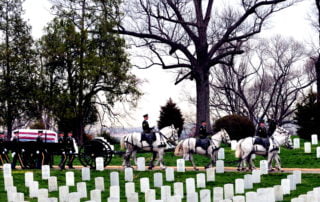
159	85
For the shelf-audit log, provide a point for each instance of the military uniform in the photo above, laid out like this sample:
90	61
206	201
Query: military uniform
69	154
3	151
272	125
17	154
147	134
40	153
203	132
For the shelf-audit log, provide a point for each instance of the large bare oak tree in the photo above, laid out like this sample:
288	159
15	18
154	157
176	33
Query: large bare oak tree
195	35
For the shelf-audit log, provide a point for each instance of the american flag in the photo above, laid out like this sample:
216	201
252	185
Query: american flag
26	135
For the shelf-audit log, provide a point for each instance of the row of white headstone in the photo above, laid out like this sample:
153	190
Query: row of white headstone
312	196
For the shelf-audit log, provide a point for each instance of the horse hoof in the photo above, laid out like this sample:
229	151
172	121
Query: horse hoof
196	169
150	167
238	169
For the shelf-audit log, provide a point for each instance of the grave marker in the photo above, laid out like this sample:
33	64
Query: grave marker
141	164
85	174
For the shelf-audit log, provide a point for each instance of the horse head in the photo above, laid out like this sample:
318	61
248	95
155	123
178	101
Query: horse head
287	136
171	133
225	136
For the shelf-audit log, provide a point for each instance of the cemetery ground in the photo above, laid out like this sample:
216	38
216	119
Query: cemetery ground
295	158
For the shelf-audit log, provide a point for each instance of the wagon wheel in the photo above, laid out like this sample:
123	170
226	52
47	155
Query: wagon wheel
93	149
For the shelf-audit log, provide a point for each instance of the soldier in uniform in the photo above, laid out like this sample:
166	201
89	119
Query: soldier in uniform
16	151
147	131
272	125
40	151
203	140
3	150
62	141
70	151
262	130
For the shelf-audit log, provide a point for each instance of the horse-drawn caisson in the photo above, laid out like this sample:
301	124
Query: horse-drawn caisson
32	148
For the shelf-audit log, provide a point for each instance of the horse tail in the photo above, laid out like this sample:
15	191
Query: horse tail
179	149
238	149
122	145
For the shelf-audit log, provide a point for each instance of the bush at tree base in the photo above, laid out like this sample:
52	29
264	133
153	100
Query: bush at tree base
307	117
237	126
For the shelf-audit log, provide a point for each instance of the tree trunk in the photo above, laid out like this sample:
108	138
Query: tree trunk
317	67
203	112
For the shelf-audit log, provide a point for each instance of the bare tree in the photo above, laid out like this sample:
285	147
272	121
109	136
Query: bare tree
194	35
267	80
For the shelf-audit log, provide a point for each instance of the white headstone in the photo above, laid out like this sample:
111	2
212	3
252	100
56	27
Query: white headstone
115	191
316	191
52	184
263	167
292	182
251	196
311	196
238	199
221	153
278	191
99	163
169	174
228	191
95	195
157	180
248	181
220	166
205	195
150	195
63	193
129	188
211	176
296	143
70	178
217	194
165	192
82	189
297	176
190	185
7	169
144	184
256	176
303	197
285	184
239	186
297	200
114	179
178	189
43	193
141	164
181	165
19	197
73	197
99	183
201	180
133	197
128	174
11	193
33	189
314	139
263	194
192	197
233	145
45	172
318	152
28	177
8	182
175	199
85	174
307	147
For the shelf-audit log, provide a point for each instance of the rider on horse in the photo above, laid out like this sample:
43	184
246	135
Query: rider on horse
147	134
264	134
203	140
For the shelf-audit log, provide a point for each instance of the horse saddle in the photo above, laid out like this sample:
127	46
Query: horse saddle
148	137
203	143
265	142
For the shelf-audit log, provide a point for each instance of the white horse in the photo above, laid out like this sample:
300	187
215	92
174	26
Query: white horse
246	147
165	138
188	147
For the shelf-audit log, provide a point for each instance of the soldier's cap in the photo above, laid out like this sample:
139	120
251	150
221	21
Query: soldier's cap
145	115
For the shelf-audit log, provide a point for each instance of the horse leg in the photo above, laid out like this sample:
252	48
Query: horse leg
134	156
192	161
278	162
253	167
126	160
160	159
154	155
270	158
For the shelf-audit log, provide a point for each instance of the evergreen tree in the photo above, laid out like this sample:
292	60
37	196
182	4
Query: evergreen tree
307	117
171	114
85	64
17	65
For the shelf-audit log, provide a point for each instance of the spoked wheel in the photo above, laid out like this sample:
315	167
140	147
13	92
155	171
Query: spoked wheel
93	149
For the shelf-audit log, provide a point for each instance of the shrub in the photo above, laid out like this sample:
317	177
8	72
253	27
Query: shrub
307	117
237	126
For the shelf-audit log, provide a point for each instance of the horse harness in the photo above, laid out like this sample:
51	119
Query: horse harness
162	143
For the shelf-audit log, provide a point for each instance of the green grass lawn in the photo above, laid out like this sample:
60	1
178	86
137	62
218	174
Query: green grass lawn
309	181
